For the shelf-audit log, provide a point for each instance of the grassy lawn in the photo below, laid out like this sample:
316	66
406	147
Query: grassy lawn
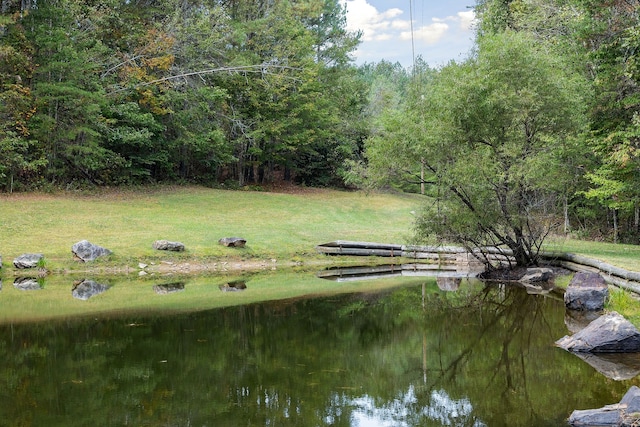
276	226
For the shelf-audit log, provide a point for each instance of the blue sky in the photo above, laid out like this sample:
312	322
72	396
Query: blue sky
442	30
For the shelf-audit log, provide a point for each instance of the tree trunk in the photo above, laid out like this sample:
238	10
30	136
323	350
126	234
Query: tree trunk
422	176
615	225
567	225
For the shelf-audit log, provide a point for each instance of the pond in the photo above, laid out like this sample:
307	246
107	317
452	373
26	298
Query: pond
423	352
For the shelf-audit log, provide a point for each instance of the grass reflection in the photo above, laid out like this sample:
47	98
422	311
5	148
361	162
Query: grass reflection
64	296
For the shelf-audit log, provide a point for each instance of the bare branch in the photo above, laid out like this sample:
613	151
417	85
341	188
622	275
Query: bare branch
260	68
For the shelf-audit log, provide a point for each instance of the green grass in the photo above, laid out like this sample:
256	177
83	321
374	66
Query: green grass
624	256
625	303
277	226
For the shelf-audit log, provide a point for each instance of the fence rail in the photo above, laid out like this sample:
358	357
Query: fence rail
629	280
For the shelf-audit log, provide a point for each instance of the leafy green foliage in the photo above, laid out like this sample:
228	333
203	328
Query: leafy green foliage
116	93
489	131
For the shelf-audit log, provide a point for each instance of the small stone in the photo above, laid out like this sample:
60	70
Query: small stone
236	242
166	245
537	275
142	265
142	273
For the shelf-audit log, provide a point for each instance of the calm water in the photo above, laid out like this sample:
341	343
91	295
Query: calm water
412	356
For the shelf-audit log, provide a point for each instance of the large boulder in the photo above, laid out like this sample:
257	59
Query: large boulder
623	414
28	260
87	289
586	291
236	242
87	251
611	333
165	245
533	275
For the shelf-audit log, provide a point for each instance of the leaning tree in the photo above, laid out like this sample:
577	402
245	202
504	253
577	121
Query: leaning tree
494	133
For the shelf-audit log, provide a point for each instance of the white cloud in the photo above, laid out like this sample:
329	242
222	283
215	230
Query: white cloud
428	34
362	16
386	32
467	19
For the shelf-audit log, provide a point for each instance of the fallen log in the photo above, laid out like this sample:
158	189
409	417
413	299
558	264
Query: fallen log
358	251
600	265
362	245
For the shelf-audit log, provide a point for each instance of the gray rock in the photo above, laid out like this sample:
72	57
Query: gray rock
537	275
87	251
236	242
624	414
165	245
27	284
87	289
586	291
28	260
611	333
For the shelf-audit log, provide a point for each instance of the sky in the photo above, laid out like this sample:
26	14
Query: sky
442	30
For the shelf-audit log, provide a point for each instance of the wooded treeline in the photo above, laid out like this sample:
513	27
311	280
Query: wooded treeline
542	121
123	91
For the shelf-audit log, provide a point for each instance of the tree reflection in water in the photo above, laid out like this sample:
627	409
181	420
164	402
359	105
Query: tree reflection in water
414	356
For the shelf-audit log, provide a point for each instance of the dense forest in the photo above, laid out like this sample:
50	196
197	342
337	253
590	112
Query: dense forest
544	112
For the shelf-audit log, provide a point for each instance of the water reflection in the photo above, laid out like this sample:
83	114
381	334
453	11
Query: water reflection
28	283
618	366
234	286
355	273
477	356
168	288
404	410
85	289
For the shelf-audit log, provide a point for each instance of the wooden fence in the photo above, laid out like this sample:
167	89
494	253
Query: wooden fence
454	255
